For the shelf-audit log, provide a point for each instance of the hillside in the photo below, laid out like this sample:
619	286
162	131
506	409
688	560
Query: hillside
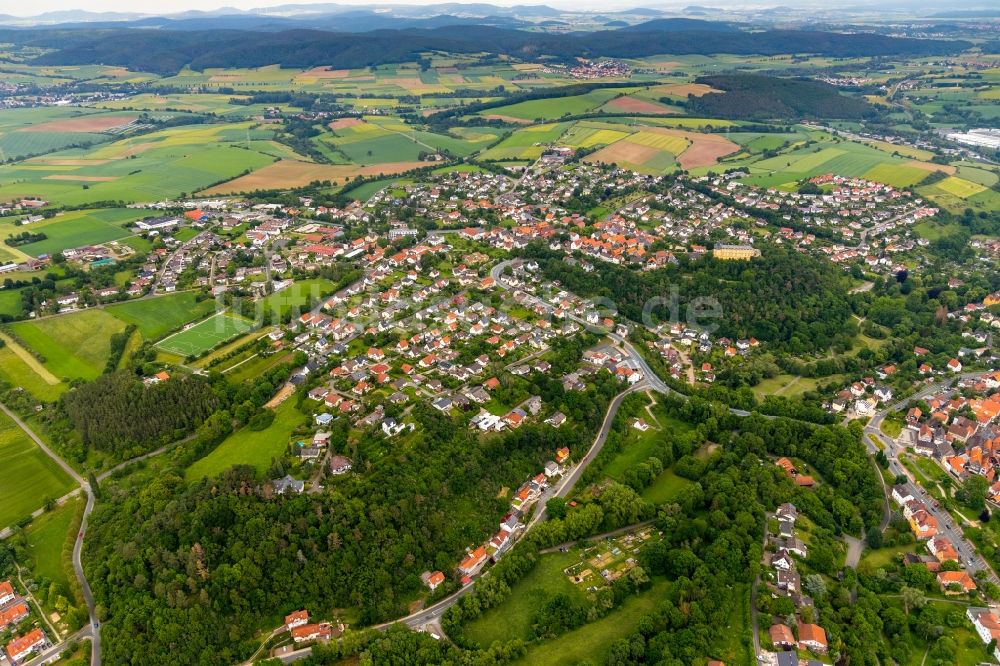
166	51
752	96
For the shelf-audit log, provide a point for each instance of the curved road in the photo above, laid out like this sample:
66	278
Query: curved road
432	614
95	644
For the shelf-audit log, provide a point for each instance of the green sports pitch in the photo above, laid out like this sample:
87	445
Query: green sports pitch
205	335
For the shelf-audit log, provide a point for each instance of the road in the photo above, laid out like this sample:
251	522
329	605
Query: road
95	644
971	559
432	614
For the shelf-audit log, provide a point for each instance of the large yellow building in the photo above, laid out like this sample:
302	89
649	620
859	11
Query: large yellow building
734	252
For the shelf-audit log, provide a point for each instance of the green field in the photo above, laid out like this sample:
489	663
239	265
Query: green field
47	536
512	618
205	335
592	642
30	476
552	108
74	345
299	295
17	140
75	229
15	371
155	317
525	144
247	447
154	166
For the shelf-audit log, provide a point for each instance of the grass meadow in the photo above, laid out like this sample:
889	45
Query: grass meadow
30	476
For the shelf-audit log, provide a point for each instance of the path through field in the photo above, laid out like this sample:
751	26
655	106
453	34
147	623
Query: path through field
30	360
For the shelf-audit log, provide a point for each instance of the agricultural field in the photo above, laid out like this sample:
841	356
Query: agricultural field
30	476
285	174
155	317
249	447
71	229
833	155
205	335
525	144
15	369
657	150
147	168
47	535
551	109
73	346
35	131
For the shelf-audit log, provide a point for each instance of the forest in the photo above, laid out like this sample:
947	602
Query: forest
167	52
793	301
118	413
758	97
216	560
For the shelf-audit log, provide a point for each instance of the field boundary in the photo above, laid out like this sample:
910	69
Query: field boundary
29	360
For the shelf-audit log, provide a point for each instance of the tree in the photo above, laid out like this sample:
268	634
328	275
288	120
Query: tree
556	508
815	586
912	599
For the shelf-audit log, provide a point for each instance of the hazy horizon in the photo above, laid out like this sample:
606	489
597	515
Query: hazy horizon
176	6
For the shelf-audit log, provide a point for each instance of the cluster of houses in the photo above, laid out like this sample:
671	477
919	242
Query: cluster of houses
510	525
302	630
786	582
961	432
13	610
940	548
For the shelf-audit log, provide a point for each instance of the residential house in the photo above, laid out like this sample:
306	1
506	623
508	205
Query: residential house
812	637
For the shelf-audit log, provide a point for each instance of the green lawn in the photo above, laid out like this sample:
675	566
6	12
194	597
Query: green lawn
205	335
155	317
592	642
297	296
74	345
30	476
512	619
46	537
883	557
246	447
665	488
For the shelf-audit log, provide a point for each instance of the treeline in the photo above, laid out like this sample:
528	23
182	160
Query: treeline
119	414
755	97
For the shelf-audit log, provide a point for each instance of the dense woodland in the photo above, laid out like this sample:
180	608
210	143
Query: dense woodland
758	97
166	51
793	301
118	413
195	569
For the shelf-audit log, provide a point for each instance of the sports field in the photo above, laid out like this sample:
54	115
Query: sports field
29	476
205	335
155	317
74	346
